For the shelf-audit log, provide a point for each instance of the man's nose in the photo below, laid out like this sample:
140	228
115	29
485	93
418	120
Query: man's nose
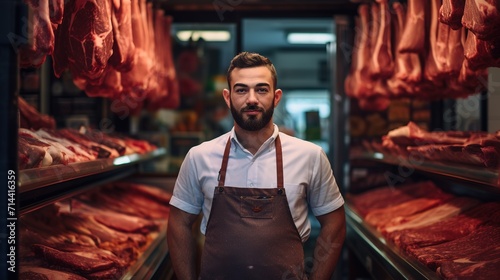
252	97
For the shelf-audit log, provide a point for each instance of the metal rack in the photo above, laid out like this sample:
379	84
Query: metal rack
381	258
41	186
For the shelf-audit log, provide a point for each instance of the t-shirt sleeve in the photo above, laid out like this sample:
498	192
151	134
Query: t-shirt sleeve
324	194
187	194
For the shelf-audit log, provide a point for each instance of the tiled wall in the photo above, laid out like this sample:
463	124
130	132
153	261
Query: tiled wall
493	99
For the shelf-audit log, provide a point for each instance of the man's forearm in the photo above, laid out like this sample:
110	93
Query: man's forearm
328	247
182	249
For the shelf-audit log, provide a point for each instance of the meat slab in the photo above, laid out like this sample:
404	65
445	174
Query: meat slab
447	229
483	240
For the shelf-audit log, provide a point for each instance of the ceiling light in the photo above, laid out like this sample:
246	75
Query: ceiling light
207	35
309	38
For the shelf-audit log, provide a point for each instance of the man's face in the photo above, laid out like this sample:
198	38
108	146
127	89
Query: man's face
252	98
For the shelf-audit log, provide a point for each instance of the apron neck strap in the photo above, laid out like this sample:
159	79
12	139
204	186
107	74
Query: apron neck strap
279	163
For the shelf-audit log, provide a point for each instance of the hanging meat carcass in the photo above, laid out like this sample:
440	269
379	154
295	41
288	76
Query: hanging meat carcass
168	95
413	38
407	67
482	17
451	12
84	40
382	62
122	58
357	82
40	35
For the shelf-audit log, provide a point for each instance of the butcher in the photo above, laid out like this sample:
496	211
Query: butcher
254	186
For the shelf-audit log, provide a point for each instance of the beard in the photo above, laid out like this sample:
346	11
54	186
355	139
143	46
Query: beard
253	123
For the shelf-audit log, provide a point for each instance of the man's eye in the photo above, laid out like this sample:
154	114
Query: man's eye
262	90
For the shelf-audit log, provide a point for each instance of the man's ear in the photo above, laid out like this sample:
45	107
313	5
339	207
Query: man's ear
227	96
277	97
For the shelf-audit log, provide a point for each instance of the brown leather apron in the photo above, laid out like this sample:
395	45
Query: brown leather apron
250	232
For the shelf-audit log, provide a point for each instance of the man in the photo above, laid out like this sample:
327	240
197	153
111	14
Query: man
254	185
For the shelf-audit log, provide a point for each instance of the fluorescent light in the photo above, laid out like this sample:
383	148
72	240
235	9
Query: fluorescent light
207	35
309	38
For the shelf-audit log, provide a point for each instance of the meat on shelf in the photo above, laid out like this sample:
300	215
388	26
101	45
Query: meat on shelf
82	238
458	237
469	148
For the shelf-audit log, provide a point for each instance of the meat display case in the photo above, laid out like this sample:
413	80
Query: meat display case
383	259
39	187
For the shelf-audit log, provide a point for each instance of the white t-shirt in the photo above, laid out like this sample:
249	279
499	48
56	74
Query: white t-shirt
308	176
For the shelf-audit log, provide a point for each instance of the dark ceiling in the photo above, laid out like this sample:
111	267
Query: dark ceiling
263	6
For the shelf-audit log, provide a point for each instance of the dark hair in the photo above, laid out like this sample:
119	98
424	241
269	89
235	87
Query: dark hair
248	60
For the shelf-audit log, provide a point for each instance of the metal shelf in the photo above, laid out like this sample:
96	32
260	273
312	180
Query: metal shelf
473	177
150	261
381	258
40	186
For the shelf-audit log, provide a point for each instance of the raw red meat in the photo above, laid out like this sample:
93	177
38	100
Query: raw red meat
446	230
482	17
123	55
157	194
56	155
451	13
407	67
31	118
82	139
450	208
413	38
71	260
413	135
40	41
357	83
379	218
480	266
391	196
382	61
32	153
84	40
82	153
481	54
34	272
483	240
56	11
114	220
